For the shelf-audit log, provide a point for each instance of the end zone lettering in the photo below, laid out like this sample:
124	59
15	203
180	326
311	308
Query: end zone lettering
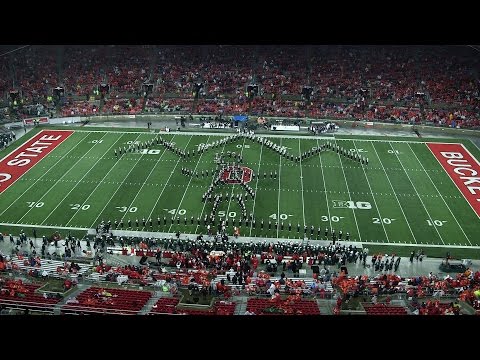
19	161
463	169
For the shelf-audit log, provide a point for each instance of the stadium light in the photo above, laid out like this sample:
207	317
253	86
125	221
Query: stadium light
59	92
307	92
252	90
197	86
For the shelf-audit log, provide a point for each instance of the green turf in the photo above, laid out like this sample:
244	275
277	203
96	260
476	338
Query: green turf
410	199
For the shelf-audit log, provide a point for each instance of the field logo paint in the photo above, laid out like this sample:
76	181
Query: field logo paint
233	175
462	168
349	204
19	161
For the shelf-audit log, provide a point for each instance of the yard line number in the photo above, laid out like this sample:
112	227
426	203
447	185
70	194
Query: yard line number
32	204
126	209
436	222
79	207
386	221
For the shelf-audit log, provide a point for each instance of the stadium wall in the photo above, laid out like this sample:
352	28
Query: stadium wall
304	122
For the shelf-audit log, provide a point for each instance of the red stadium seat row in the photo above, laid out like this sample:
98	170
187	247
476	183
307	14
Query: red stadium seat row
121	301
301	307
382	309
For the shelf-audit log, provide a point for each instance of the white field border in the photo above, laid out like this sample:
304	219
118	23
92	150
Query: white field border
302	241
94	130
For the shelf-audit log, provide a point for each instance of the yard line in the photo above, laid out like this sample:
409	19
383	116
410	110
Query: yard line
396	197
278	203
46	172
101	181
417	193
440	194
78	182
301	178
256	187
118	188
325	186
58	180
188	185
166	183
151	171
349	196
205	202
375	202
233	186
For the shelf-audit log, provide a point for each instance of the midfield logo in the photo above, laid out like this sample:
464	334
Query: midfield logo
236	175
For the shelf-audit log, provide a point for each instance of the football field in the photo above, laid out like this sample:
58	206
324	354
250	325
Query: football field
402	196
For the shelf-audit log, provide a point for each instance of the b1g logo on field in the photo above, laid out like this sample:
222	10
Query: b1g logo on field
237	175
348	204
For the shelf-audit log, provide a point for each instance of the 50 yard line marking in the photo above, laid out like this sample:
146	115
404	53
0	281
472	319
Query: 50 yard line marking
118	188
393	191
325	187
278	202
46	172
205	202
188	185
256	187
454	217
233	186
166	182
349	196
414	188
371	192
301	182
58	180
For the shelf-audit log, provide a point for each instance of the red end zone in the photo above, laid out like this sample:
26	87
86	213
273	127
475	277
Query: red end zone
22	159
463	169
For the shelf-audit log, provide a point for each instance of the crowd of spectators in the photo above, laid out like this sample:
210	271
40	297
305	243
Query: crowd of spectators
410	84
224	268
